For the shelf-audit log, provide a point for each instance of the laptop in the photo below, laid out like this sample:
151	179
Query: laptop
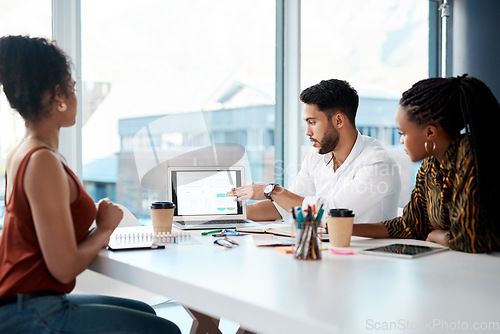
199	194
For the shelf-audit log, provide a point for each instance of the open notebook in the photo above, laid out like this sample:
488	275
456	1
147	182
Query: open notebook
276	228
199	194
280	229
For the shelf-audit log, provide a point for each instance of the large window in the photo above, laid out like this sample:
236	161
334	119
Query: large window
381	48
183	82
18	17
172	82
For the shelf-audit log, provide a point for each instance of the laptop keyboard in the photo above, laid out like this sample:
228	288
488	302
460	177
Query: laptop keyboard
218	222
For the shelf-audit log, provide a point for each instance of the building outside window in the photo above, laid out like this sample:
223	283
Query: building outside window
178	77
163	79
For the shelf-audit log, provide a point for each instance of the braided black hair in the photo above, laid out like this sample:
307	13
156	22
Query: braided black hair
457	104
331	96
29	68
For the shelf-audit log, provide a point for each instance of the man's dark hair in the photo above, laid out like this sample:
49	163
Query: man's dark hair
29	68
333	96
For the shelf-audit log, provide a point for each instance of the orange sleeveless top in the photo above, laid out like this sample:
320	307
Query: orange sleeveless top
22	268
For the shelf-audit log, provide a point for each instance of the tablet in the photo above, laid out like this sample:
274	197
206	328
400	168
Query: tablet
403	250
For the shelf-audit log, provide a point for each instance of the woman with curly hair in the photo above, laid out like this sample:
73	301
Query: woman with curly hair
45	242
450	124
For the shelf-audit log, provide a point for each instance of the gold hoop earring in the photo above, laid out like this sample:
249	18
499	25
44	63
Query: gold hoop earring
62	107
426	146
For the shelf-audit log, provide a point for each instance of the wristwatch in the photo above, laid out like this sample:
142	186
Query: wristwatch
268	190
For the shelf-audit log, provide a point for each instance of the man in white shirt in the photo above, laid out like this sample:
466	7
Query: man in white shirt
344	170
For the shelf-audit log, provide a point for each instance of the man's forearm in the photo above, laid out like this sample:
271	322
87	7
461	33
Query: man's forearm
286	199
265	210
262	211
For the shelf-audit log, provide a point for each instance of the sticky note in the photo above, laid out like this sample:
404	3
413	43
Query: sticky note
284	249
342	251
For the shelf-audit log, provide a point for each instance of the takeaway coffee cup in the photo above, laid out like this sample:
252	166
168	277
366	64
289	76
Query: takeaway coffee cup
162	214
340	223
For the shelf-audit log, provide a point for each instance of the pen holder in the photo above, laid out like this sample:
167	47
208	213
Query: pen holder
307	240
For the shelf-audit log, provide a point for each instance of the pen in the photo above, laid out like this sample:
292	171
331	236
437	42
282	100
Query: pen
235	234
320	207
230	231
217	235
300	217
320	215
210	232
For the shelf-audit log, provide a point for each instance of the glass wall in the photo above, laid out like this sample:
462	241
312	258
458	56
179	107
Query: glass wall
381	48
18	17
174	82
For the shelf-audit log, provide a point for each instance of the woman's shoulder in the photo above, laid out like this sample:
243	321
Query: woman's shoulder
27	161
32	152
38	158
43	157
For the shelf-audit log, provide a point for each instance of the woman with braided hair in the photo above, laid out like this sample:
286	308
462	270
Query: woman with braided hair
449	123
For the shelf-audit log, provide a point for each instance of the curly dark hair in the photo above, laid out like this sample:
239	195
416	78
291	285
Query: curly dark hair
332	96
29	68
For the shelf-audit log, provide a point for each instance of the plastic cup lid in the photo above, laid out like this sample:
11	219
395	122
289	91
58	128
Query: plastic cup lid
341	213
162	205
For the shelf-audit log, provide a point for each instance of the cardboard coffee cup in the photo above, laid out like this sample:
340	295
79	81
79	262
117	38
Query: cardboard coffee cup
162	214
340	222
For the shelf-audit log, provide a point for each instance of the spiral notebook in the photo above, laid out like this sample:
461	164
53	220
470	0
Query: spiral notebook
143	237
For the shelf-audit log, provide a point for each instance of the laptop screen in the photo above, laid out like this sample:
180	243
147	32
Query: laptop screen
202	192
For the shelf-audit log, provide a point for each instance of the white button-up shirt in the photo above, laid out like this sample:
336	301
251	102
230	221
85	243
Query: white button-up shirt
368	182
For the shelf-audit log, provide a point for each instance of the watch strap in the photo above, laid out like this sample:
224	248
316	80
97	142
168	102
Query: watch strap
268	194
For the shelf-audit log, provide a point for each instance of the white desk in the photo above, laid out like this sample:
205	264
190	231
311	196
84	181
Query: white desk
269	292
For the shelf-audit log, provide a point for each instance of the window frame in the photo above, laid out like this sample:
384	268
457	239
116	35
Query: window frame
66	30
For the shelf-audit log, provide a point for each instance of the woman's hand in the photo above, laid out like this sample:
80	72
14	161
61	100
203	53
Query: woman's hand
109	215
254	191
438	236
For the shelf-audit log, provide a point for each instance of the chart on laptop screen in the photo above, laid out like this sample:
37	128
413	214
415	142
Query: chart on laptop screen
205	193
